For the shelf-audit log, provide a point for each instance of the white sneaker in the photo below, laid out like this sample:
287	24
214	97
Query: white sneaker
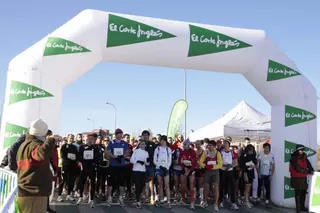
109	202
248	205
165	199
80	200
221	205
92	204
59	199
204	204
215	208
76	194
121	202
192	206
69	198
234	206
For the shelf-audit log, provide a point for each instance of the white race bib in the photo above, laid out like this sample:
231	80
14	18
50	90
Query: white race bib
88	155
187	162
212	162
117	151
71	156
163	161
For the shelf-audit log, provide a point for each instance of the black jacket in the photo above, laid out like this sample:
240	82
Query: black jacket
5	160
13	150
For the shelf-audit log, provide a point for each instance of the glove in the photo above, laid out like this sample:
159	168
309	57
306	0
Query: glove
141	162
203	170
127	159
163	169
189	167
119	158
182	172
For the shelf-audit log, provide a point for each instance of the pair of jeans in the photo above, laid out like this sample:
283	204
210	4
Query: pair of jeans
264	181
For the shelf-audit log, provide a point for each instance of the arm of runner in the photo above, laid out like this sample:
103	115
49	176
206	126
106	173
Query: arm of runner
219	161
133	159
202	160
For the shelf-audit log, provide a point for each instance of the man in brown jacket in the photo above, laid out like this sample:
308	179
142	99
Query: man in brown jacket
34	174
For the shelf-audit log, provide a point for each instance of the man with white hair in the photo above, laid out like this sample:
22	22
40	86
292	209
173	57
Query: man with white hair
34	174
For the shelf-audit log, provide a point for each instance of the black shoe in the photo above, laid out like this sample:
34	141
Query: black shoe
49	210
304	209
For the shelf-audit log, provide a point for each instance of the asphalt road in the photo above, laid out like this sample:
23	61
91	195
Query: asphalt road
101	208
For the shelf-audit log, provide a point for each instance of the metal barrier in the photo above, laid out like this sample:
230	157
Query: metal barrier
8	190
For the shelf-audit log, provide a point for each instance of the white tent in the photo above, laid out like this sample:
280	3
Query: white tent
242	120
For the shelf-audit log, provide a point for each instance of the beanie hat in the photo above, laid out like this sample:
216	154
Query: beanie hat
118	131
299	147
38	128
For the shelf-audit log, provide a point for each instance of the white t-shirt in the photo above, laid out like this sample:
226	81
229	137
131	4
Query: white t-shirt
227	159
162	157
139	155
265	163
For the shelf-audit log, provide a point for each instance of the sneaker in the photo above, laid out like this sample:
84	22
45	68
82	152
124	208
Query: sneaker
215	208
181	202
192	205
69	198
248	205
80	200
234	206
86	198
121	202
109	202
221	205
59	199
159	203
91	204
204	204
152	201
76	194
138	205
165	199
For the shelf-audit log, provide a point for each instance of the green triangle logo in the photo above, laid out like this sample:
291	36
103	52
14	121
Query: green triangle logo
123	31
204	41
21	91
294	115
12	133
315	196
59	46
290	147
288	191
277	71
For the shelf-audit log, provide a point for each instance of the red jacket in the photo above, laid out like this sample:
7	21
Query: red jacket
175	145
301	166
188	155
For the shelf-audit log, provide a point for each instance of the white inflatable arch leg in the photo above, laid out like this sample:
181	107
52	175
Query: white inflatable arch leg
37	76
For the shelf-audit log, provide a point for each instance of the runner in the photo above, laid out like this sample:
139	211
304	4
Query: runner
188	162
199	172
139	160
118	150
162	159
211	162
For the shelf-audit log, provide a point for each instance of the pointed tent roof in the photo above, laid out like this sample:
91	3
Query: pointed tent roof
241	120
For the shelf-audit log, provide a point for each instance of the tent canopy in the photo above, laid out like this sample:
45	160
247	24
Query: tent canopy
242	120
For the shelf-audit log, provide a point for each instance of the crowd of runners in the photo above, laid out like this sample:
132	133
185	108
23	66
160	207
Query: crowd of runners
160	171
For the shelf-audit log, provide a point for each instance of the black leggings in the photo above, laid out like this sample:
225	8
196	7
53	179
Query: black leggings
84	175
68	177
128	180
300	198
264	181
102	173
227	185
140	181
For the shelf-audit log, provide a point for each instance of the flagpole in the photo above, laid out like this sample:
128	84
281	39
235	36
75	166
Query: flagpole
185	98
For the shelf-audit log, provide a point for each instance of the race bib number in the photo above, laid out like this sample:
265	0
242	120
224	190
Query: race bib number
212	162
187	162
163	162
88	155
118	151
266	162
71	156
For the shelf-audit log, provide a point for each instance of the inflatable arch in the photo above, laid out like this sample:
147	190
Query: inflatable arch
37	76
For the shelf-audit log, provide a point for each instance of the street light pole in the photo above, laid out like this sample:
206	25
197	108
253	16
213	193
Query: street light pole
115	114
91	122
185	98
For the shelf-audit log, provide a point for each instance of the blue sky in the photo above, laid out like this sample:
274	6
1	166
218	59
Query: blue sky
143	95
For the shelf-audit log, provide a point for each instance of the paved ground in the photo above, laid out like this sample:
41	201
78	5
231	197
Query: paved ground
101	208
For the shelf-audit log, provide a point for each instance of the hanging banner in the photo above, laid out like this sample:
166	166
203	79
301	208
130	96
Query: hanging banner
178	112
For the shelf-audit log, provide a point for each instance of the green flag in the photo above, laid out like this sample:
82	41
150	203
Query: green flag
177	114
